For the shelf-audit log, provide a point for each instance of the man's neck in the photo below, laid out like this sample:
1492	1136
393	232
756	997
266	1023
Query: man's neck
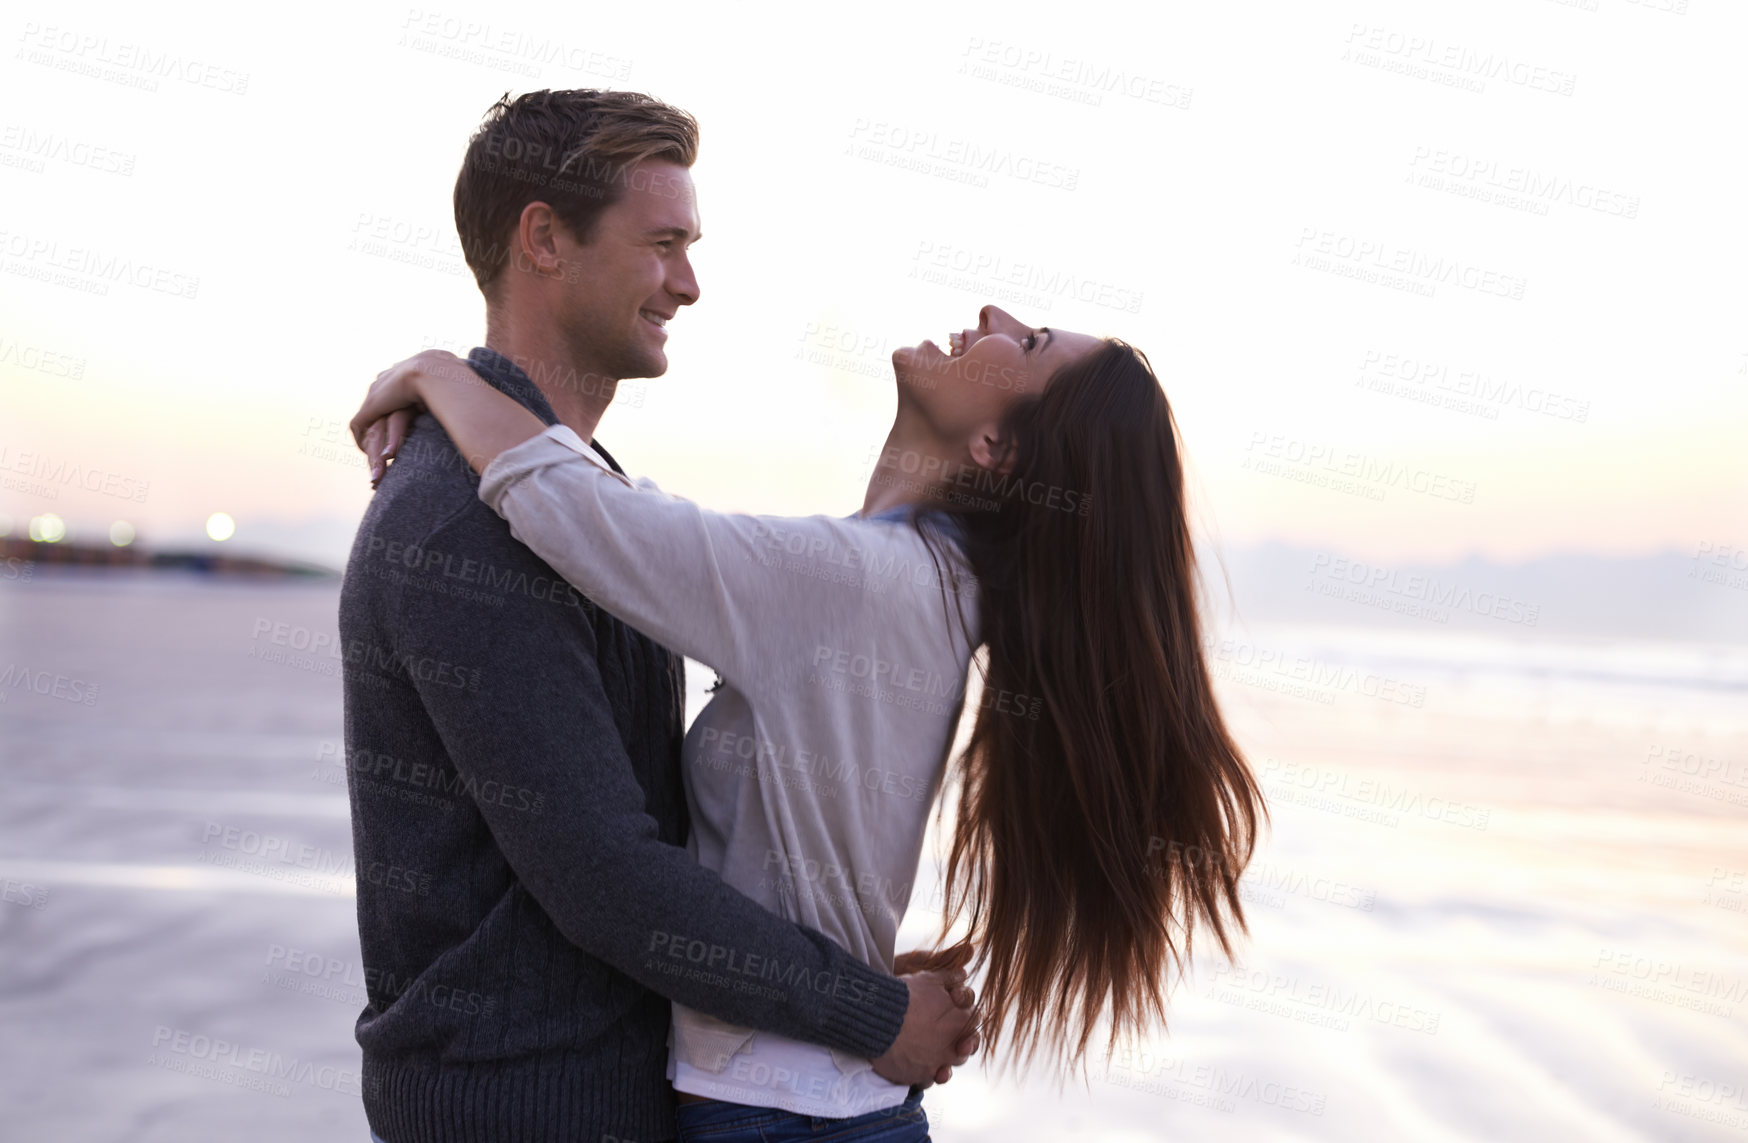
578	392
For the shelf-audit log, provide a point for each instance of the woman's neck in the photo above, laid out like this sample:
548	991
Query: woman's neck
912	466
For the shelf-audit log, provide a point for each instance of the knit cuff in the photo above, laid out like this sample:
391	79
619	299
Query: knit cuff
864	1015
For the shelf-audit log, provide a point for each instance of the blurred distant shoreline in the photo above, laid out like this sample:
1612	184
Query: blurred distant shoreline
1698	597
37	554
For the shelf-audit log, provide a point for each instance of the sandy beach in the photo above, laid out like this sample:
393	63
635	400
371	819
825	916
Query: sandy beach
1505	895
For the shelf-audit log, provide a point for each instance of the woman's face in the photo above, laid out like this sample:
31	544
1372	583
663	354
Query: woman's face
966	390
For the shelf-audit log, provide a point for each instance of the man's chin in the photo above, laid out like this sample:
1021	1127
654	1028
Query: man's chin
653	363
654	368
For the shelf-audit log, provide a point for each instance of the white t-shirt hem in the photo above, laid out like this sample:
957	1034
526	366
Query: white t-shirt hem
694	1082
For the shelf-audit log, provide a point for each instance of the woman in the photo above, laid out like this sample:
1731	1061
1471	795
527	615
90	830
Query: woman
1029	501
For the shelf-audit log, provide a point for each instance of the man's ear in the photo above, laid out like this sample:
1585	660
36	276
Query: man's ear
537	233
992	451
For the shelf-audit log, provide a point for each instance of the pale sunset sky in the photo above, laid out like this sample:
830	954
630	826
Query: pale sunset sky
1485	262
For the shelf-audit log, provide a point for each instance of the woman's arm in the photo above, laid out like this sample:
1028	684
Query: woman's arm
752	596
759	598
480	420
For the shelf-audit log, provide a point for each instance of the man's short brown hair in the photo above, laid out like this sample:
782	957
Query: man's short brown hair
568	149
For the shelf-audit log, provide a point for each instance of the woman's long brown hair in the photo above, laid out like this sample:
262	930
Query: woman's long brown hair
1099	828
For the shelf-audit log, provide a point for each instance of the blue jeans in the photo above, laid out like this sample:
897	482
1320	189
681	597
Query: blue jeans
718	1122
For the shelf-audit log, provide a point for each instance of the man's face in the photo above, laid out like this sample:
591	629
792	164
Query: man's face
633	274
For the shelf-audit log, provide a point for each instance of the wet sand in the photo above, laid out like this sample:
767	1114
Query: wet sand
1505	896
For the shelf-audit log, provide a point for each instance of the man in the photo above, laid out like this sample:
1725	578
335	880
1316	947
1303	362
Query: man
525	906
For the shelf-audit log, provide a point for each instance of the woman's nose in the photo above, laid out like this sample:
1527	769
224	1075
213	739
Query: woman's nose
994	319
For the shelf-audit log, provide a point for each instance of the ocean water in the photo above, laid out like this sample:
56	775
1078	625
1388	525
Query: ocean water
1504	894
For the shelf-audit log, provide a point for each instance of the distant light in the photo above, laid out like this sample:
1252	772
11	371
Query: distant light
47	528
220	526
121	533
5	524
